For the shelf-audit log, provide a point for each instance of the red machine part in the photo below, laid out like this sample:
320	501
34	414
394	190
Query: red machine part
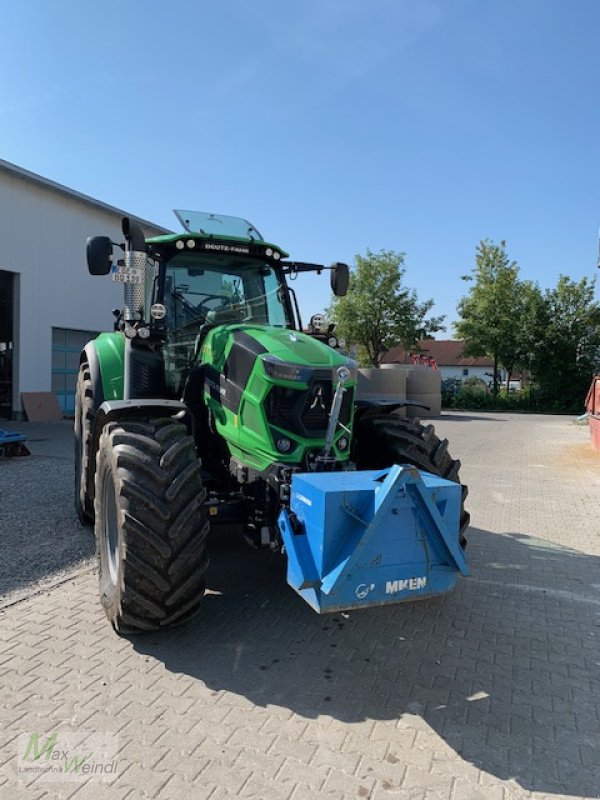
421	360
592	406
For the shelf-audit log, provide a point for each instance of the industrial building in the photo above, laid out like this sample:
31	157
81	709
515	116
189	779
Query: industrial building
49	305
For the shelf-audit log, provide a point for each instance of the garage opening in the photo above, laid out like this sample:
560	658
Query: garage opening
6	344
67	345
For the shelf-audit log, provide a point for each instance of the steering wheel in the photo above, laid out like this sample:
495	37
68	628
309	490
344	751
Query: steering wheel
196	312
201	306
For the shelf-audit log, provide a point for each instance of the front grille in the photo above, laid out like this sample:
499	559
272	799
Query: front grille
305	412
281	406
316	407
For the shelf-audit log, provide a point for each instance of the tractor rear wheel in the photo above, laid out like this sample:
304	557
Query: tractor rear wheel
151	525
84	422
381	440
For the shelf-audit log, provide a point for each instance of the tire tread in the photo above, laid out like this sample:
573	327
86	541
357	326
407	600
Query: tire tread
384	439
163	524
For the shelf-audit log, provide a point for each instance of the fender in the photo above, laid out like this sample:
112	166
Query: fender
112	410
106	357
90	355
368	407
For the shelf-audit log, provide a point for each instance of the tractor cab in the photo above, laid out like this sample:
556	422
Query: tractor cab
180	287
202	280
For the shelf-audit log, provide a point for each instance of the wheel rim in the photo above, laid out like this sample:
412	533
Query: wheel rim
111	528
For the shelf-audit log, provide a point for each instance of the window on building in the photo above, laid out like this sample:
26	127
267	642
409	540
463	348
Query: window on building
67	345
465	372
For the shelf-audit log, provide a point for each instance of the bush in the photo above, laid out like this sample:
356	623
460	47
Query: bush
450	388
520	400
479	398
476	383
473	396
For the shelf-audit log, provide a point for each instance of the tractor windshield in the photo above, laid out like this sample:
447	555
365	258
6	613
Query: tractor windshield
217	290
201	292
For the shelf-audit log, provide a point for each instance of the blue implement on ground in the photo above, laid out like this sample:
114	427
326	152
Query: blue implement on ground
12	443
366	538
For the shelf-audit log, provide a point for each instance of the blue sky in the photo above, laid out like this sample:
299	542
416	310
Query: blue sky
334	125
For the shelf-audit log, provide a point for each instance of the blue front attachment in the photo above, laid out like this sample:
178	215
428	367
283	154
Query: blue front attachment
356	539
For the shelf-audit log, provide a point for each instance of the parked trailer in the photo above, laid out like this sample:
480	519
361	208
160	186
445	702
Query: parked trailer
592	406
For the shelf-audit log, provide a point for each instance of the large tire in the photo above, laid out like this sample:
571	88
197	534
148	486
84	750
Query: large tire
151	525
84	423
381	440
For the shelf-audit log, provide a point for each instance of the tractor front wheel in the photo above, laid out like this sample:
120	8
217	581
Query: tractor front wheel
381	440
84	421
151	526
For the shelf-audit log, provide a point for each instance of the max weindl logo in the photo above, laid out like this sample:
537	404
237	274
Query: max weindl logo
60	756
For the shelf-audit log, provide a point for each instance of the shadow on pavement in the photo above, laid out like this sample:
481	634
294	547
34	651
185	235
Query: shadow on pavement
504	669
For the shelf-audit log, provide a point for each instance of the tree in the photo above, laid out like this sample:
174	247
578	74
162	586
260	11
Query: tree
495	312
379	312
567	342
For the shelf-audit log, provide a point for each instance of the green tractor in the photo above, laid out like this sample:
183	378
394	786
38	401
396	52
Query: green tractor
204	403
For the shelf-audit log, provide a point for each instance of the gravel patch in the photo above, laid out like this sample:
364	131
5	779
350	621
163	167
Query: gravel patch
41	539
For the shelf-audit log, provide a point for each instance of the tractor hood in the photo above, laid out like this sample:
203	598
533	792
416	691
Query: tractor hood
294	347
270	392
291	347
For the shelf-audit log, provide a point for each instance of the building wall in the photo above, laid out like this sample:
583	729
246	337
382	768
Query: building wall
42	240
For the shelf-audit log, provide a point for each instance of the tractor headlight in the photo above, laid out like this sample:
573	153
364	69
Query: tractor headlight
351	368
283	445
284	371
343	375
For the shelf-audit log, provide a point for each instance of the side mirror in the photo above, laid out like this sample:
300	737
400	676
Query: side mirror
340	279
99	255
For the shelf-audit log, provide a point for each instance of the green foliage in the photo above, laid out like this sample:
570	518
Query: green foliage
496	312
530	400
473	396
476	383
379	312
566	342
474	399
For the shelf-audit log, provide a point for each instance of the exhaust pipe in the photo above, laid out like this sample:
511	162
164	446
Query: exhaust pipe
133	272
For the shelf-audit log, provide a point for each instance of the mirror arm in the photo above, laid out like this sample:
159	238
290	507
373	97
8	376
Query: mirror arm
293	267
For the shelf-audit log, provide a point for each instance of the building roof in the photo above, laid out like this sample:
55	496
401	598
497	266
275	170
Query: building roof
46	183
446	352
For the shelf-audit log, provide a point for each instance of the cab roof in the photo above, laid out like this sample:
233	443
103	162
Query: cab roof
219	233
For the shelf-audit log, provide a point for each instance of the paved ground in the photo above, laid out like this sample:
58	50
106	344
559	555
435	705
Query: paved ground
491	692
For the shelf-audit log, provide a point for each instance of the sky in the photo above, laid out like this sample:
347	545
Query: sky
333	125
